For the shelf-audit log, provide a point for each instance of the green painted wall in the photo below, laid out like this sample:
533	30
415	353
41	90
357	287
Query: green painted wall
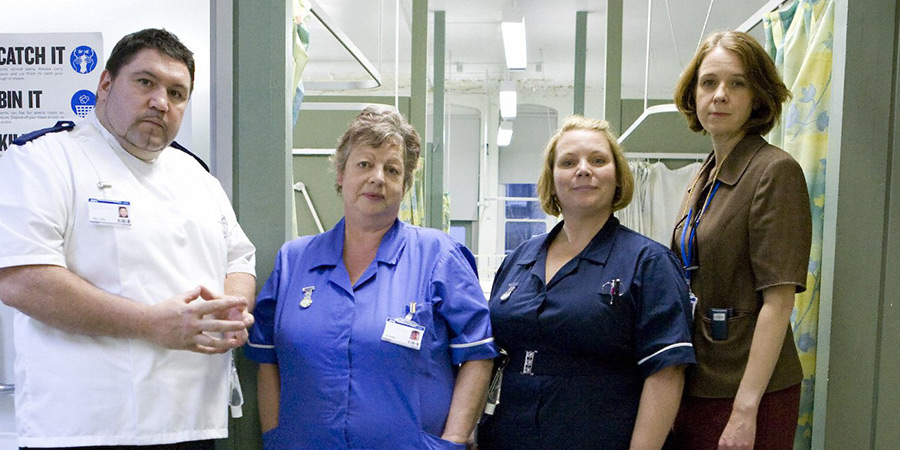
860	358
659	132
262	171
318	176
321	129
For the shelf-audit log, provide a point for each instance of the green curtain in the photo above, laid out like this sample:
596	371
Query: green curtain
412	207
799	38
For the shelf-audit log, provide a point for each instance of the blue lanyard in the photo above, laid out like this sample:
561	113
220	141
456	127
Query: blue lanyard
688	247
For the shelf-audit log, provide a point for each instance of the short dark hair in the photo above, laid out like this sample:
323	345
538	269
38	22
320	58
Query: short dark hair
769	92
374	126
154	38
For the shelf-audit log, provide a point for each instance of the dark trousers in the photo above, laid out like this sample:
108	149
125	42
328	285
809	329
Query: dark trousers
700	421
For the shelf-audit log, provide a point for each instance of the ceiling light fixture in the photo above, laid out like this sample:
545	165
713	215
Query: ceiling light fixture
508	100
514	43
504	133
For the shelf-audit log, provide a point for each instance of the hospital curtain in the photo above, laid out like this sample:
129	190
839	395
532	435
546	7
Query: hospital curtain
799	38
657	197
412	208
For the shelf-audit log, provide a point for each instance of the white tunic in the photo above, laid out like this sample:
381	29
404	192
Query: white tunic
77	390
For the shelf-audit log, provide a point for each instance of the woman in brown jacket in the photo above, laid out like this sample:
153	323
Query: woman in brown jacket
744	239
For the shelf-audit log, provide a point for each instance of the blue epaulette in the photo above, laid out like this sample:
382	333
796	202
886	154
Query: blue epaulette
62	125
182	148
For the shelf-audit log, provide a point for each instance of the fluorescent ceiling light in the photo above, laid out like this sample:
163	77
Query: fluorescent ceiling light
508	100
504	134
514	44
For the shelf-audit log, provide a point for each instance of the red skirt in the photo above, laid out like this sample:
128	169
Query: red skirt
700	421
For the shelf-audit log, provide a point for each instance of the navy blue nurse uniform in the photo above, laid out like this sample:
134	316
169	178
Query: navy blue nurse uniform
342	386
581	345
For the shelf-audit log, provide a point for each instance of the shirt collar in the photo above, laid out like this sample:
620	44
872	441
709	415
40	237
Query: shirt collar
601	245
392	243
329	248
739	158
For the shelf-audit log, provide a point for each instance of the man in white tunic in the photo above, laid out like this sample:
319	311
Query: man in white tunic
124	325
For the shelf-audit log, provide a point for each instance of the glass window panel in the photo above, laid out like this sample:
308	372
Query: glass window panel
521	190
523	209
519	232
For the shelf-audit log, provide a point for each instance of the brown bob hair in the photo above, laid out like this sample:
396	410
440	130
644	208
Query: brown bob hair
624	178
374	126
769	92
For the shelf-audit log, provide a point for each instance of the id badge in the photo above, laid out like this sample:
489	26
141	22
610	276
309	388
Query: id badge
109	212
403	332
693	304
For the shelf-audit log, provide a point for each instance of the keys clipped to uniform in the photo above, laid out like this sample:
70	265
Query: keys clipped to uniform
493	396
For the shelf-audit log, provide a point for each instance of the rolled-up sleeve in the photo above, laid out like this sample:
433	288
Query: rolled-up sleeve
461	303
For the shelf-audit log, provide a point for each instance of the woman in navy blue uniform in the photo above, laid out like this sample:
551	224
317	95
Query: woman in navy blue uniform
594	316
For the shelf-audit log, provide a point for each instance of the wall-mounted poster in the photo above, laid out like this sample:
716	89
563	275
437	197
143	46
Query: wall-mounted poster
45	78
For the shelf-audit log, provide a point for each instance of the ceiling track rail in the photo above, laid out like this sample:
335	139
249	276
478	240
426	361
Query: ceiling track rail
348	44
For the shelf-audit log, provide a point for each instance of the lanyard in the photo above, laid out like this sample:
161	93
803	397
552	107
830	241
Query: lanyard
688	247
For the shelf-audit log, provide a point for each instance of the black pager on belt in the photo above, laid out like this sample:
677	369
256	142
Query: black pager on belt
719	318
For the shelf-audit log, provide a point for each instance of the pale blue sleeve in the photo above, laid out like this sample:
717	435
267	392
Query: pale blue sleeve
460	302
260	346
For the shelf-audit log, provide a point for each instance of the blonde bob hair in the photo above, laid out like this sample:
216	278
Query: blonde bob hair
624	179
769	92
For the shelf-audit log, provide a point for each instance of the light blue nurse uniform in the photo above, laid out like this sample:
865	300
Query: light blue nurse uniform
342	386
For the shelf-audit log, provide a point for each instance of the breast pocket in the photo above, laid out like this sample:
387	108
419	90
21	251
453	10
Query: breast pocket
613	314
591	322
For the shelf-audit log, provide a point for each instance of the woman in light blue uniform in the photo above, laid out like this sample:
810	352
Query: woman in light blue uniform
374	334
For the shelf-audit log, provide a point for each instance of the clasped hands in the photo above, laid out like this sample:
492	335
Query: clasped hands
199	321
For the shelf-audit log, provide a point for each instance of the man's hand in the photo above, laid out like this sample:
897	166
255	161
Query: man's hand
236	313
198	321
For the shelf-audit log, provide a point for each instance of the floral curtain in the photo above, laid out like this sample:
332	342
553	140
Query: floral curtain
799	38
412	207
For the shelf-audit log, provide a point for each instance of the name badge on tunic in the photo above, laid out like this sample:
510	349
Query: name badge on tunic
404	331
109	212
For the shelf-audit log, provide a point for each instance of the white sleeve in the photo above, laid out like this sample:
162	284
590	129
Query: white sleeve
241	252
36	192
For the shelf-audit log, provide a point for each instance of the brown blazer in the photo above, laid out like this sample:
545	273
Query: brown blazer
754	234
